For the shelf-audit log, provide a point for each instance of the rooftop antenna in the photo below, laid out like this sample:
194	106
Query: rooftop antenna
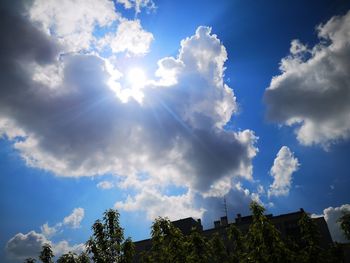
225	206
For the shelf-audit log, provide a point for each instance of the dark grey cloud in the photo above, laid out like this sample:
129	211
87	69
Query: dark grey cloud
23	246
313	90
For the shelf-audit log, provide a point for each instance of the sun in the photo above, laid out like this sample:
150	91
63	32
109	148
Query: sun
136	77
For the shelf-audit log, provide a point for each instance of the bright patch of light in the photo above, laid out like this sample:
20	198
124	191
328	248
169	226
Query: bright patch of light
137	78
131	87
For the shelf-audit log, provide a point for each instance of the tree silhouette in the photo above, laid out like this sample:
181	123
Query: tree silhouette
83	258
68	258
46	254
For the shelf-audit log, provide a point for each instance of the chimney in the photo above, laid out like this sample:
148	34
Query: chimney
216	224
199	224
238	218
223	221
302	210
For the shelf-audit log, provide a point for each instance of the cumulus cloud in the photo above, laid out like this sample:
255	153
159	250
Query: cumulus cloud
72	22
176	135
48	231
74	219
64	113
155	204
129	37
284	165
313	91
331	215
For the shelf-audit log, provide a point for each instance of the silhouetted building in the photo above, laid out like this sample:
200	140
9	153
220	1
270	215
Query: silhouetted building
287	225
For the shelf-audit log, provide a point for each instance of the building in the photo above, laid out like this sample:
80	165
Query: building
287	225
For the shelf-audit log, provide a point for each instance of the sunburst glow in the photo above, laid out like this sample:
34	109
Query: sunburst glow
137	77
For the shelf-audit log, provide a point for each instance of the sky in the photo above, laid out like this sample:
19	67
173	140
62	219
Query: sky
166	108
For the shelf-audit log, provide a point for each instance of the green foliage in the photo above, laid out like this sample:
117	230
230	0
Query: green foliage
46	254
198	248
168	243
83	258
238	244
310	240
68	258
128	249
218	248
107	244
263	239
261	244
334	254
344	221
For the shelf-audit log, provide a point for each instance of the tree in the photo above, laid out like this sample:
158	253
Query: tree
46	254
237	244
168	243
310	240
198	248
83	258
264	243
107	244
344	221
68	258
218	250
128	249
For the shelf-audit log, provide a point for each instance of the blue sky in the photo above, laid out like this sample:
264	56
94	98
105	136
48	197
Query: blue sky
163	108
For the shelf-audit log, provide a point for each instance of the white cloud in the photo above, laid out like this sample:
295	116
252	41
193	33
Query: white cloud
105	185
331	215
126	3
48	231
74	219
284	165
72	22
313	90
63	247
130	37
77	125
176	135
155	204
